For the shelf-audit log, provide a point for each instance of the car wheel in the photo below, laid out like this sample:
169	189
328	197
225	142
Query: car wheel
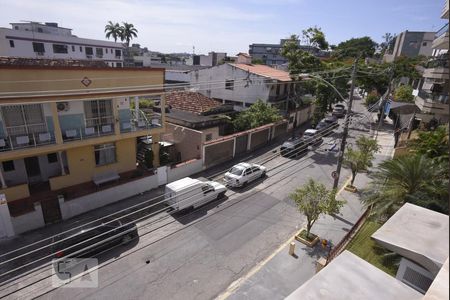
220	195
263	174
245	184
127	238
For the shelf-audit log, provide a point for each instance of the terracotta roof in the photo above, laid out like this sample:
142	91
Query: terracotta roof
191	101
265	71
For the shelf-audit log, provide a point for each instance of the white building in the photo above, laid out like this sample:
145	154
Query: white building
47	40
243	83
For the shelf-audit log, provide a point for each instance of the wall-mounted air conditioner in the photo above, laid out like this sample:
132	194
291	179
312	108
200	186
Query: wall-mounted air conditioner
62	106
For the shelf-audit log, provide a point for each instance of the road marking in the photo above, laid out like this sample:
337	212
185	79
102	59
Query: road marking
236	284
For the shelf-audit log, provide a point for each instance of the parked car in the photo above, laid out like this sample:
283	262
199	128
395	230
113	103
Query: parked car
339	111
327	125
244	173
312	137
94	238
189	192
293	147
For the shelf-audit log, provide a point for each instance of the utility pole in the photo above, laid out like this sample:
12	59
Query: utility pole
383	103
347	120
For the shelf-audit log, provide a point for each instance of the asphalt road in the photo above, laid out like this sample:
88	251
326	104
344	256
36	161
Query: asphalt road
197	254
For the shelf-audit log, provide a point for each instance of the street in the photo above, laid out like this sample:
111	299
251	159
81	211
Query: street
197	254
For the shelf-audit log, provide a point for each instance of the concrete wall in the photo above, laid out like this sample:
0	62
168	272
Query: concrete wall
29	221
250	94
218	153
92	201
214	131
187	141
16	176
259	138
81	162
184	169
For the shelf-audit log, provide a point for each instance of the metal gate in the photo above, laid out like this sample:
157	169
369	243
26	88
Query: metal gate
241	144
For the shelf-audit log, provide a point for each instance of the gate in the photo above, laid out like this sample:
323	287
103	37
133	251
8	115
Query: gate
51	210
241	144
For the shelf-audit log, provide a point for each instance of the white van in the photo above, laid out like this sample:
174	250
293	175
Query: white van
189	192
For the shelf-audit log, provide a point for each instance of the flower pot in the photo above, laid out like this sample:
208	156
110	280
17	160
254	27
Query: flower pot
301	237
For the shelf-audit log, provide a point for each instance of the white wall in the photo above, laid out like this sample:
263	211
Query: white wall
92	201
29	221
254	91
75	107
176	75
48	169
18	175
184	170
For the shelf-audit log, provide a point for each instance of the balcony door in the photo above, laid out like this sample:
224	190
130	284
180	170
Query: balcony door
98	112
23	119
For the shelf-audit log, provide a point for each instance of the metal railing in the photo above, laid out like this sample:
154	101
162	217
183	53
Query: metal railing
441	31
87	132
439	62
441	98
141	121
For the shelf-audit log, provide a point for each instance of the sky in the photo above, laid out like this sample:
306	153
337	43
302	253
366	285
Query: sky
229	26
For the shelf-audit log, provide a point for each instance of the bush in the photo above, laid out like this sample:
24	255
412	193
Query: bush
143	103
372	98
404	94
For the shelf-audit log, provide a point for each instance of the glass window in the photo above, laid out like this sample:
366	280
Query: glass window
40	30
208	137
106	50
11	43
8	166
89	51
73	48
81	48
105	154
236	171
229	84
118	53
52	158
59	48
248	172
98	112
38	47
99	52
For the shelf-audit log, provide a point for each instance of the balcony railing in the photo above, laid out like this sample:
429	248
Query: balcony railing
442	31
87	132
441	98
141	121
28	140
439	62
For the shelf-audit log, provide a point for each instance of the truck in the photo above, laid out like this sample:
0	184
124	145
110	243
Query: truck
189	192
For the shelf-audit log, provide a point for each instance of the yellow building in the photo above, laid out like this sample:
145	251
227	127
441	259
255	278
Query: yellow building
62	127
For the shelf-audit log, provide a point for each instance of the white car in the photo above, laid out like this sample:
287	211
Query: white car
312	137
243	173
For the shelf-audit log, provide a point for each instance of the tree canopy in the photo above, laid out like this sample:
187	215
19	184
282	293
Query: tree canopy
404	94
126	32
314	36
360	159
354	47
313	199
258	114
433	144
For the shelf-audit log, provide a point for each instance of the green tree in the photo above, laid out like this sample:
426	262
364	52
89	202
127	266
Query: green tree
256	115
299	60
313	199
257	61
354	47
360	159
128	32
372	98
314	36
404	94
113	30
433	144
408	178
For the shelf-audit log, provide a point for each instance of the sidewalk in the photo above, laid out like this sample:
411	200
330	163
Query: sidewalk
280	274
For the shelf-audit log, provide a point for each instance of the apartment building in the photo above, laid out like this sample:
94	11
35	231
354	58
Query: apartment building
410	44
71	130
432	92
49	41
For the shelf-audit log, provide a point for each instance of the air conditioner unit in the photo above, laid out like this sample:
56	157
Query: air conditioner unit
62	106
414	275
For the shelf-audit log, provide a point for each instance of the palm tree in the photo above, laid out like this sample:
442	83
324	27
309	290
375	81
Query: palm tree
408	178
113	30
128	32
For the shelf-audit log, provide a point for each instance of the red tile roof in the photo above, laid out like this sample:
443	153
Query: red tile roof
191	101
265	71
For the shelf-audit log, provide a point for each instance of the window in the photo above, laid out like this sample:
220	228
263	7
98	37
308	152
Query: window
208	137
118	65
207	189
278	89
52	158
105	154
8	166
229	84
59	48
98	112
118	53
99	52
23	119
106	49
89	51
248	172
424	44
255	169
40	29
11	43
38	47
81	48
16	27
73	48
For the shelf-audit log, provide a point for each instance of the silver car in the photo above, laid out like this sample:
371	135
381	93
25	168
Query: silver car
244	173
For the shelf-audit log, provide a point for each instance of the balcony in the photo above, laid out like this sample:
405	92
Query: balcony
94	127
26	136
444	14
437	68
432	102
141	121
441	39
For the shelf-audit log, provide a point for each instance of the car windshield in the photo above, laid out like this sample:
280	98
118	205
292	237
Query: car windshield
236	170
